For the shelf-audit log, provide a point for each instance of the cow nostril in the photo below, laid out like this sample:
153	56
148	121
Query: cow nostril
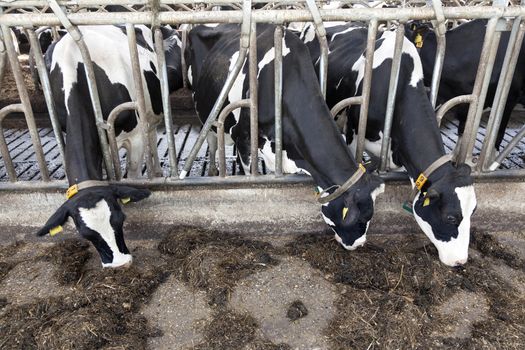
451	219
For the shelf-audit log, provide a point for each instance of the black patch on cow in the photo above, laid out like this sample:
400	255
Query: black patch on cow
153	68
141	40
153	85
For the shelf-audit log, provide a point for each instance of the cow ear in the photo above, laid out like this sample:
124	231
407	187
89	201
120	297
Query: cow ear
432	193
55	222
130	194
350	212
464	169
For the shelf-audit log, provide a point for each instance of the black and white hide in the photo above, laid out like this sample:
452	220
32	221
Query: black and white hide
462	54
312	142
446	202
96	210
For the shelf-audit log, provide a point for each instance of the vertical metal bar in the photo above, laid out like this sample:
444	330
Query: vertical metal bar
243	49
278	80
3	57
4	150
438	68
111	134
503	154
323	44
48	94
367	82
183	64
245	103
479	91
502	91
166	105
254	111
440	30
392	90
26	102
91	82
139	95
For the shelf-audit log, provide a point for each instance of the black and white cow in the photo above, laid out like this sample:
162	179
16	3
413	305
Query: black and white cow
312	142
462	54
96	209
444	212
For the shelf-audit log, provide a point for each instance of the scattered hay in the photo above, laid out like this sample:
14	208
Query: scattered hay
392	293
488	245
214	261
296	311
70	255
6	253
228	330
101	311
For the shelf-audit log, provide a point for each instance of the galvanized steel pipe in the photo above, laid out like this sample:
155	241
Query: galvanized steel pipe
4	150
91	82
365	92
26	102
48	94
278	81
502	91
126	106
254	110
245	103
243	50
166	104
392	90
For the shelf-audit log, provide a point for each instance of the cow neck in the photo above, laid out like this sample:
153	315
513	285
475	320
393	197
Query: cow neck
417	140
83	152
427	53
320	142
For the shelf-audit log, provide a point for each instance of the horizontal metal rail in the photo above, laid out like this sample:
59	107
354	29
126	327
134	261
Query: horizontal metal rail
249	18
266	16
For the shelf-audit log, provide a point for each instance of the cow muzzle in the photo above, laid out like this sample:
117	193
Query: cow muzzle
120	261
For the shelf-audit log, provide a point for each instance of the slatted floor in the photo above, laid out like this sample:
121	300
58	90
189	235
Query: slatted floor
21	150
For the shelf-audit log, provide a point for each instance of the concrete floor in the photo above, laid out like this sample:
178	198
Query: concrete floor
181	312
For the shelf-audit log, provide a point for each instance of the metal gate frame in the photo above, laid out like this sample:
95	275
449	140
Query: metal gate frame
71	14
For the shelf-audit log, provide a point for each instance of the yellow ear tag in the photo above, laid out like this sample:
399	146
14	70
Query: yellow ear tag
345	211
125	200
426	202
418	40
55	230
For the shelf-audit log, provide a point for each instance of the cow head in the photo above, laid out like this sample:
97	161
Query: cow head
98	217
349	215
417	31
443	212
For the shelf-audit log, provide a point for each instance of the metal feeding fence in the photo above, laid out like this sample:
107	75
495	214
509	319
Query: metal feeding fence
32	15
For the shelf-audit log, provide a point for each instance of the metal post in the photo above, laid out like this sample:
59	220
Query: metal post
139	95
323	44
502	91
367	82
26	102
111	134
243	50
3	57
503	154
278	80
245	103
445	107
488	54
254	111
392	90
4	150
440	30
183	64
347	102
166	105
91	82
48	94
